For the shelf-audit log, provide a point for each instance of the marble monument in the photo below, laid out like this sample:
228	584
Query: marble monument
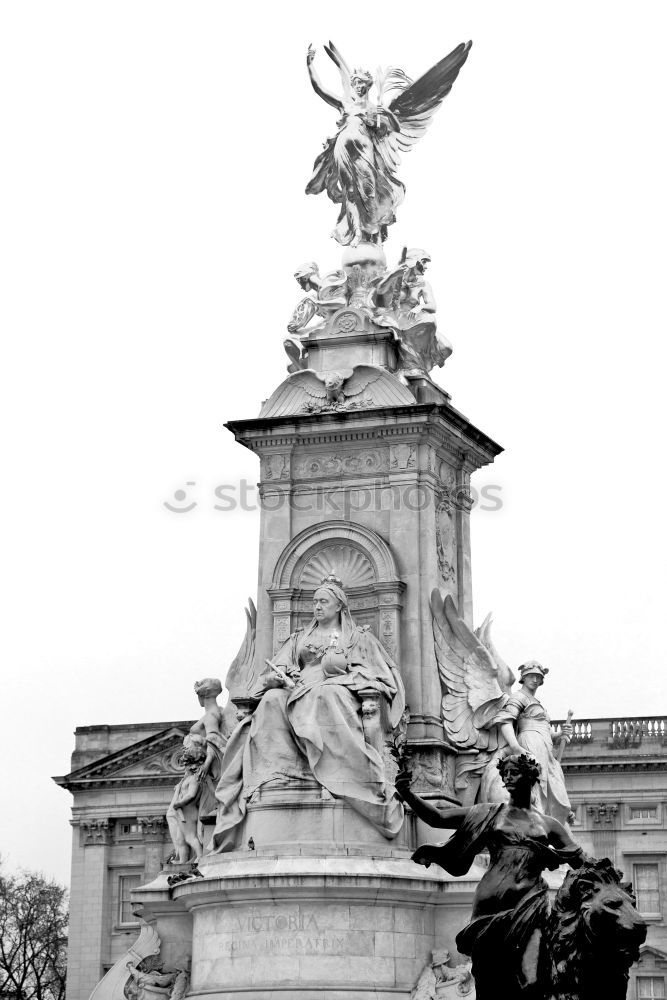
362	706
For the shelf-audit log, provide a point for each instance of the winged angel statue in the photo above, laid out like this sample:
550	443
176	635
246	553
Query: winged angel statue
357	167
481	712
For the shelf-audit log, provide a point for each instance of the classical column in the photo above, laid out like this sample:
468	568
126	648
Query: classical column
153	830
604	832
89	904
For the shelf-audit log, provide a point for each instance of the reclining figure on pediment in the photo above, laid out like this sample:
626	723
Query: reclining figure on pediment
323	707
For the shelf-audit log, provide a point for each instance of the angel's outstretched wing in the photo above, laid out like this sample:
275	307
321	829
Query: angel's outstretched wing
416	104
506	676
240	676
343	68
472	694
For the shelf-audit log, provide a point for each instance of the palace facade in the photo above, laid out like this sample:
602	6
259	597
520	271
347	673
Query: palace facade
122	780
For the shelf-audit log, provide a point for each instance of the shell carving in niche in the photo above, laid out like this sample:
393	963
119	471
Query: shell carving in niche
352	567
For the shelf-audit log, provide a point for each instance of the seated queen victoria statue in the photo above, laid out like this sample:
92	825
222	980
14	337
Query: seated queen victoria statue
308	721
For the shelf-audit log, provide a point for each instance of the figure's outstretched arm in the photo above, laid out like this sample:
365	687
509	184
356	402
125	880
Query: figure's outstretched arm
326	96
450	819
562	841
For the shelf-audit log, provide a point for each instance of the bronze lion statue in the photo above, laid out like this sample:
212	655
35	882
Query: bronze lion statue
594	934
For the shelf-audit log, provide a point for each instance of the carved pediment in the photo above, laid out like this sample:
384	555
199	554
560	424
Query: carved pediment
651	957
150	760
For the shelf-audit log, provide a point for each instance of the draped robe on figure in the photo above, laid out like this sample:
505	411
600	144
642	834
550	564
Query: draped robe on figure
357	173
533	733
511	907
315	729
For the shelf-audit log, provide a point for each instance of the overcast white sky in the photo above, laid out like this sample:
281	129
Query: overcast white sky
153	212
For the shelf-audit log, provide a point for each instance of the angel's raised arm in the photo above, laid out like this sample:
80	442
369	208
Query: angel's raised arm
326	96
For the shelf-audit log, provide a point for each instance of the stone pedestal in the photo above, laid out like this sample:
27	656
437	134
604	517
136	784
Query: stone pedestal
379	497
337	927
364	476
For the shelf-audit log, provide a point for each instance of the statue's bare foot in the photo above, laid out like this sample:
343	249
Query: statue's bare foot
356	239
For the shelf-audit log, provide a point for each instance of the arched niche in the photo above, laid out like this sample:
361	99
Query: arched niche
360	558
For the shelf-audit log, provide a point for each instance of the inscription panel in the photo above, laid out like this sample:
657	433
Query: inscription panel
268	945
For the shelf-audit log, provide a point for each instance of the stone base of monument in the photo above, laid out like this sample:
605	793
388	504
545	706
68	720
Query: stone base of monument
304	818
306	919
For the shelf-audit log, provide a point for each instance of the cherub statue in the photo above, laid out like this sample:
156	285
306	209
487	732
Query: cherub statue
481	711
357	167
183	812
405	303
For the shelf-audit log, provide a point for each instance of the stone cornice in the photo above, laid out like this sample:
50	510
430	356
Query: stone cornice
141	781
450	428
158	750
619	766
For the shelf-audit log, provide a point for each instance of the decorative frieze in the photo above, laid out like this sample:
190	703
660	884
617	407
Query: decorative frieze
342	464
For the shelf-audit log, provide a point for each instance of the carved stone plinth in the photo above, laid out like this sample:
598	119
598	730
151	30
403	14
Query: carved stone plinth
349	927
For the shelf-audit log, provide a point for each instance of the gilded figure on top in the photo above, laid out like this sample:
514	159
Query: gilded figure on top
357	167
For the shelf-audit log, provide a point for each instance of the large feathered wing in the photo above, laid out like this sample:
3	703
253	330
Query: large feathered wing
343	68
381	387
506	676
361	378
416	104
241	674
472	694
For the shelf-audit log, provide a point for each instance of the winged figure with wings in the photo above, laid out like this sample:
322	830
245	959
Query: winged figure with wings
357	167
482	713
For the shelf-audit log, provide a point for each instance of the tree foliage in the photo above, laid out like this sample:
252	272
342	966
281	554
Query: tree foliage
33	937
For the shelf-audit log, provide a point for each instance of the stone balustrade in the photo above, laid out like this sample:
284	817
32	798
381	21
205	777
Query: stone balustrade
619	733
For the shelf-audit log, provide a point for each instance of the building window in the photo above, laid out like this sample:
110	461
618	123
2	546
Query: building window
650	987
646	883
126	883
127	829
643	812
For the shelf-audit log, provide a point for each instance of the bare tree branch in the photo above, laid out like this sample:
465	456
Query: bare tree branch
33	937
